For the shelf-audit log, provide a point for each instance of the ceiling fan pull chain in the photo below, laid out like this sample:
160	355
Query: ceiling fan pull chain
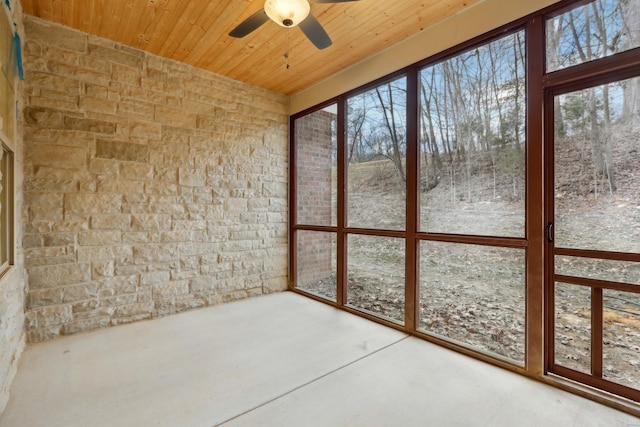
286	47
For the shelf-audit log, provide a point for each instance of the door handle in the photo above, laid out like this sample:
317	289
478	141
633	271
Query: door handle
550	232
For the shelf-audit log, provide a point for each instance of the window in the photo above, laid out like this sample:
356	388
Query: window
6	209
7	138
487	199
591	31
376	157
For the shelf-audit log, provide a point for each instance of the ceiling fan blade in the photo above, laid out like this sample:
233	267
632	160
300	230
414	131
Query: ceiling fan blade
332	1
314	32
250	24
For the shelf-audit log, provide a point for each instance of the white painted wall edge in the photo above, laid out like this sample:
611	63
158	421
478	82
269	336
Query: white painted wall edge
471	22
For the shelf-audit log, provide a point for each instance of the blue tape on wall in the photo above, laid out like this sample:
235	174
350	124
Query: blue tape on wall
17	48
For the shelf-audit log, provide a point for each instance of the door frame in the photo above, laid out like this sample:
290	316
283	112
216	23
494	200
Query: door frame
607	70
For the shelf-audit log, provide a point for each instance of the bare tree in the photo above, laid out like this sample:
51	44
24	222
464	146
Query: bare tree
392	125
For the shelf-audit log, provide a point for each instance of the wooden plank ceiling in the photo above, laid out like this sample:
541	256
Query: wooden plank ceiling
196	32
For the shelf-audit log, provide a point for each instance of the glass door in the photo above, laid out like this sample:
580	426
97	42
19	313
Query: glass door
593	233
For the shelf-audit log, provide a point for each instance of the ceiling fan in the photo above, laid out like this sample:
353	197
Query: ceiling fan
288	13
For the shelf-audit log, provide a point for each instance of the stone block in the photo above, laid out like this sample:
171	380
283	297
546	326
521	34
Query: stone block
192	177
130	319
119	186
51	34
190	249
168	289
80	292
154	277
43	213
111	221
60	55
59	102
57	275
235	205
186	225
126	74
54	315
30	241
114	55
99	238
44	297
44	117
183	274
136	309
48	200
85	325
148	253
118	300
57	83
59	239
90	125
147	130
175	236
122	151
157	87
103	166
275	189
43	334
96	64
150	222
188	302
87	308
104	268
137	171
136	108
202	284
87	186
137	237
56	156
78	73
50	184
98	105
174	117
30	320
95	253
161	188
118	285
80	203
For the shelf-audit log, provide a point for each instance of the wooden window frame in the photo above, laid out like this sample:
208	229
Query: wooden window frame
539	285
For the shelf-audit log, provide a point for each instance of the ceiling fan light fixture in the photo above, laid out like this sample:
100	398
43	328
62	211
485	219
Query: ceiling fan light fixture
287	13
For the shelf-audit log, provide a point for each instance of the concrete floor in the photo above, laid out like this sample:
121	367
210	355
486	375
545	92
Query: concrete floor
278	360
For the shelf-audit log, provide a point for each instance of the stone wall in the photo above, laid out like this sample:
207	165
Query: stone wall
151	187
12	283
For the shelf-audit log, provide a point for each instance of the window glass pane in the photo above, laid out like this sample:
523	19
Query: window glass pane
475	295
621	349
592	31
603	269
472	141
375	274
316	167
573	327
597	164
316	263
376	144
